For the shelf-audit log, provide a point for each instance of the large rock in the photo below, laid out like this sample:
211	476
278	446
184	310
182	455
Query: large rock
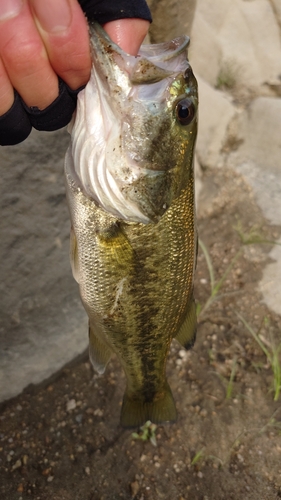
42	323
257	131
237	42
215	113
276	4
270	283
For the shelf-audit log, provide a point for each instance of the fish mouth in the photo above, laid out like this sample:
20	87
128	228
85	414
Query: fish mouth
152	64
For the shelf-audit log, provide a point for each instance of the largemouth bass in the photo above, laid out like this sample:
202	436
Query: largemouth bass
130	190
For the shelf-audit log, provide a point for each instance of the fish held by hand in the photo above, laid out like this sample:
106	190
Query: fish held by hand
130	191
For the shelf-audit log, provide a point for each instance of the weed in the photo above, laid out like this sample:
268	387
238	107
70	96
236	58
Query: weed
229	386
251	237
226	78
272	353
215	286
272	423
146	433
197	457
230	383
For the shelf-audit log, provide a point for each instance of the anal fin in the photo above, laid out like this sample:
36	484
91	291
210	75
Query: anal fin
99	352
187	333
136	411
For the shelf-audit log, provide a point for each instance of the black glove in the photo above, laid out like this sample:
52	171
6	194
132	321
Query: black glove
104	11
17	123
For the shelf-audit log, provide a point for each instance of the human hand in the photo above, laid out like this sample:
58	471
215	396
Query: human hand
127	33
40	41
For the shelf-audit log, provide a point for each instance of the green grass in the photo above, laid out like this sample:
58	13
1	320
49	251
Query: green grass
272	424
197	457
146	433
229	389
215	285
226	78
252	237
272	353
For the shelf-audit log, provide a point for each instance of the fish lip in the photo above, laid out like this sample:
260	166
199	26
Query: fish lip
163	51
151	64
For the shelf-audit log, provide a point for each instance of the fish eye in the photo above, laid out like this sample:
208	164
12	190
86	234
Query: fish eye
185	111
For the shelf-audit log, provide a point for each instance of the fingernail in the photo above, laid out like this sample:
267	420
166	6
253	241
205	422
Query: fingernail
54	15
9	8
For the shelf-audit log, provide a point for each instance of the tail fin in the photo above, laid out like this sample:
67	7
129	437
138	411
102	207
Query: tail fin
136	411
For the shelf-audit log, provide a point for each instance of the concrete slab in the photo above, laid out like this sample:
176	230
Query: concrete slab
42	322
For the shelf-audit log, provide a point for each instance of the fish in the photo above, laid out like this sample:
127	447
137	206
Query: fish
130	192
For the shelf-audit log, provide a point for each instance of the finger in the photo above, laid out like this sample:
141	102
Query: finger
6	90
128	33
63	28
24	55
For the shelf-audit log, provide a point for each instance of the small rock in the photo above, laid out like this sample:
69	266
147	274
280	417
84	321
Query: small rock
46	472
20	488
16	465
182	353
98	412
134	488
50	479
71	405
87	470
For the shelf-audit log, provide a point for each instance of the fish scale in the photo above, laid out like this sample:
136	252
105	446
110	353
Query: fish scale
136	278
156	293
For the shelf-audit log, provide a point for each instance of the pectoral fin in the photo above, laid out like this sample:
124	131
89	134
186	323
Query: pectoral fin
99	352
187	333
115	246
74	255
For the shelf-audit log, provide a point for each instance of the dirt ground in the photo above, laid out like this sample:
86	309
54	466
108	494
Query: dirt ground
62	440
